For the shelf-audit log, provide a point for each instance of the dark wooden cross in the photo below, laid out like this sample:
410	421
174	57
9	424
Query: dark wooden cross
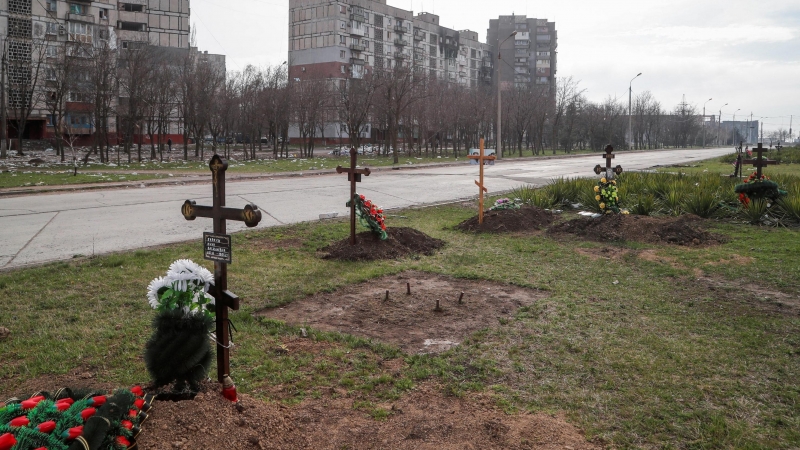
609	172
223	298
353	176
481	188
760	162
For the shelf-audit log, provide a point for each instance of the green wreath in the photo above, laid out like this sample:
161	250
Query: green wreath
370	215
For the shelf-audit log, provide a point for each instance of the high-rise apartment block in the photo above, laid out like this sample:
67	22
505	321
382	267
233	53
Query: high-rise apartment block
27	25
349	38
531	51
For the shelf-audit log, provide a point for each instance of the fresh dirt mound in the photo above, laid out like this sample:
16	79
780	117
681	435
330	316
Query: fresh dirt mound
683	230
402	242
509	220
410	321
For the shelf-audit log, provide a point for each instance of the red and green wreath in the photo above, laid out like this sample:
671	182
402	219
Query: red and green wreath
370	215
755	187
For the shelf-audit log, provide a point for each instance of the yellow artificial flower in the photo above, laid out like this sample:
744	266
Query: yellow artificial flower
597	188
597	197
602	205
625	212
603	180
614	182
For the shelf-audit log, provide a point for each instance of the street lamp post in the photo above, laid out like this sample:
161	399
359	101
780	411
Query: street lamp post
704	122
734	128
3	119
630	95
499	151
719	123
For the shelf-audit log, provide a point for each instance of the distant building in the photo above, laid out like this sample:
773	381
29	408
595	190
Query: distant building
531	52
740	130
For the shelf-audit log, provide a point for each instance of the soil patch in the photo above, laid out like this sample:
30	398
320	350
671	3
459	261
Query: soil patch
750	296
683	230
402	241
509	220
410	322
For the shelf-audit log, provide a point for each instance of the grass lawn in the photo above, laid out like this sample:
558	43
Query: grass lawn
659	359
57	178
789	159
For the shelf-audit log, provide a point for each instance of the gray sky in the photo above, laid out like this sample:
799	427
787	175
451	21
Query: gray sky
745	53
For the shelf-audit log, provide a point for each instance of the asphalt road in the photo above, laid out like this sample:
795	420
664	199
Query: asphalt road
41	228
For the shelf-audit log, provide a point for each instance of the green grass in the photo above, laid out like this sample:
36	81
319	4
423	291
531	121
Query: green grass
27	177
657	360
789	159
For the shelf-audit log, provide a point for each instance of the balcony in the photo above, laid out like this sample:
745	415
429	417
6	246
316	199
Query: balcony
132	16
72	17
358	17
521	44
400	29
462	73
401	42
522	36
357	61
358	31
358	47
419	37
400	56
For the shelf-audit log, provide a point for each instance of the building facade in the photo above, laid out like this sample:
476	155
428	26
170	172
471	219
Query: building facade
34	29
531	51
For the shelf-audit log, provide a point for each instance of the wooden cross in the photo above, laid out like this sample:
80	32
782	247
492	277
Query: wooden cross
760	162
224	299
609	171
481	188
353	176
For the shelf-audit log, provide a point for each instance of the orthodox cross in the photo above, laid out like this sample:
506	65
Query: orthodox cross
481	188
353	176
760	162
609	171
224	299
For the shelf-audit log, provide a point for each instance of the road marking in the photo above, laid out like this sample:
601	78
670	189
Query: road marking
30	240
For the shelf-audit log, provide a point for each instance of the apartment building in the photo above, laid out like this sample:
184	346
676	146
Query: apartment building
531	51
349	38
33	29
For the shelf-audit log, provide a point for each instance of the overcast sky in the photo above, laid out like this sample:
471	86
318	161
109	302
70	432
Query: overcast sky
745	53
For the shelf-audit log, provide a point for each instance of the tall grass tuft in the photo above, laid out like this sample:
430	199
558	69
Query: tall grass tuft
643	204
531	195
755	210
701	202
789	205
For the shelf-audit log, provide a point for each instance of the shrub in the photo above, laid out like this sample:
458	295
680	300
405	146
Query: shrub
643	204
701	202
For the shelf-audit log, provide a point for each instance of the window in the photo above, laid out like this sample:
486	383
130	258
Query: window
80	32
342	39
50	5
341	54
102	33
103	14
342	25
131	7
52	28
342	9
473	53
75	8
343	68
50	74
52	51
78	97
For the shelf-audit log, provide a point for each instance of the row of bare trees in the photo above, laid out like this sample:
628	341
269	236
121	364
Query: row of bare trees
145	90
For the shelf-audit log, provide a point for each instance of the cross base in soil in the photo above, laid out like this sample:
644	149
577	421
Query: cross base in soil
223	298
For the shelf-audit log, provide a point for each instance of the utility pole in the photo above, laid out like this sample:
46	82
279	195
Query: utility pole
719	123
3	118
630	94
704	122
750	125
790	129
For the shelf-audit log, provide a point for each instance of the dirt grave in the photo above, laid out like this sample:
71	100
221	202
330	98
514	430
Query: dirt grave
402	241
410	322
526	218
683	230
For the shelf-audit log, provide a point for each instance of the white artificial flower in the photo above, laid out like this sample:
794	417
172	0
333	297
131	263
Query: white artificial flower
152	290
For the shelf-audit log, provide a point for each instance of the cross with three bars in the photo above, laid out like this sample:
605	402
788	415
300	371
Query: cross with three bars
481	188
760	162
609	171
217	248
353	176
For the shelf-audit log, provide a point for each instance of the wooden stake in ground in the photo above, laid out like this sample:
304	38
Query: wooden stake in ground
217	248
609	171
760	162
481	188
353	176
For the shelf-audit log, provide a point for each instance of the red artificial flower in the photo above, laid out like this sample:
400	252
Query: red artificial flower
72	433
127	424
86	413
46	427
31	402
20	421
362	197
122	441
383	227
137	391
7	441
62	406
97	400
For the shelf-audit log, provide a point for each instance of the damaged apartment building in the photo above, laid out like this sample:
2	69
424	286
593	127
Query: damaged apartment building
349	38
33	29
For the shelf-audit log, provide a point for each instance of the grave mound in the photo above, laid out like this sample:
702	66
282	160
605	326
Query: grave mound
683	230
402	242
410	321
508	220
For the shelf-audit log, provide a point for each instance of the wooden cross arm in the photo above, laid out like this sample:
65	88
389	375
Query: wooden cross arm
487	158
608	156
481	186
226	298
764	162
365	171
250	214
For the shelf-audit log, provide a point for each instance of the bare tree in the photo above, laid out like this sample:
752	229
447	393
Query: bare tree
136	65
27	72
354	99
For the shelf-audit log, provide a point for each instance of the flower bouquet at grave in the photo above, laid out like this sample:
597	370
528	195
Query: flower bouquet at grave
370	215
70	419
758	188
179	351
505	203
607	196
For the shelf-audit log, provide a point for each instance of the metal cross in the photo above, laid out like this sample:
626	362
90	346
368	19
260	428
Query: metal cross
353	176
481	188
224	299
760	162
609	171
